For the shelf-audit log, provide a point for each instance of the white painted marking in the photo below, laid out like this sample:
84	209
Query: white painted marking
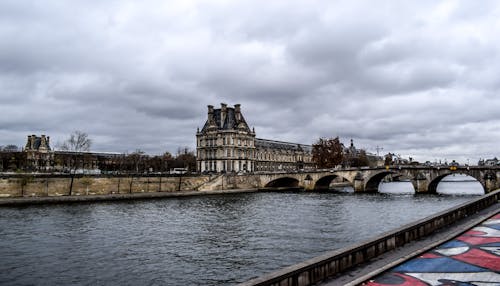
495	250
492	221
489	232
453	251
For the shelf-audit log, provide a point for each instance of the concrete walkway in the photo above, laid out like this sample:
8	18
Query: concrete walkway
472	258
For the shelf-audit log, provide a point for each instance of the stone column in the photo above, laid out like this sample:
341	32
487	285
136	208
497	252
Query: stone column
359	183
420	185
490	182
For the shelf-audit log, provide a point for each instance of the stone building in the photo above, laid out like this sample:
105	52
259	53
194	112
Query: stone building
227	144
282	156
39	155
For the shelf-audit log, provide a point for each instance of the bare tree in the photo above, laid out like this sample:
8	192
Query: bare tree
78	141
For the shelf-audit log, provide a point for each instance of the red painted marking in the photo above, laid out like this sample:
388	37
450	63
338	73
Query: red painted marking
480	258
475	233
408	281
430	255
476	240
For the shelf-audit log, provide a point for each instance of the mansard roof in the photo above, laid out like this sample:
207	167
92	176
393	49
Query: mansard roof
273	144
230	123
35	143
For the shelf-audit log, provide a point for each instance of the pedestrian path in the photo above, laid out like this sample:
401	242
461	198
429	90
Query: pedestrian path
472	258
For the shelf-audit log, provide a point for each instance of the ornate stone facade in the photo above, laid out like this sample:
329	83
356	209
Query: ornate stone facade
282	156
38	152
227	144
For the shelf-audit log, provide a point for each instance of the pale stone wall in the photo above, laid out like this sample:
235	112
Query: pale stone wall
96	185
10	187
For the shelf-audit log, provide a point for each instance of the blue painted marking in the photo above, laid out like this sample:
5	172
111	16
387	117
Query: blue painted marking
438	265
495	226
493	244
453	243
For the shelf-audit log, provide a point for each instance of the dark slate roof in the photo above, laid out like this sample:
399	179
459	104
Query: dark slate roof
272	144
230	123
37	143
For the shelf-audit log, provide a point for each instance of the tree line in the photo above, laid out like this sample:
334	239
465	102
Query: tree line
330	153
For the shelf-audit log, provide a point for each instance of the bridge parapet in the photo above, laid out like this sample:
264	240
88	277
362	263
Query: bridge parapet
424	178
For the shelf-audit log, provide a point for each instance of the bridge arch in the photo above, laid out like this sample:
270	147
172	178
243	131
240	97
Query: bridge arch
324	182
283	182
372	183
432	189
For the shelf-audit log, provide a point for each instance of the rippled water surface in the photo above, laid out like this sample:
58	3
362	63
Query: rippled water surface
209	240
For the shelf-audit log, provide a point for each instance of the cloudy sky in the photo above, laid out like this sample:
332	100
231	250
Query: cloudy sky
418	78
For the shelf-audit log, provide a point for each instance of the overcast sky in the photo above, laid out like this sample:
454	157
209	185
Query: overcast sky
418	78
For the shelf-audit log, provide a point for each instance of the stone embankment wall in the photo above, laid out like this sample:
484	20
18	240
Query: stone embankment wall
28	185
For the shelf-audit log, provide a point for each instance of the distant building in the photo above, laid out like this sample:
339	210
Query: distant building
489	162
396	159
227	144
39	155
355	157
282	156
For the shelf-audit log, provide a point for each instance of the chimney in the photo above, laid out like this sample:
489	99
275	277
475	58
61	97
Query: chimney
210	114
28	143
223	114
48	142
237	112
44	144
33	139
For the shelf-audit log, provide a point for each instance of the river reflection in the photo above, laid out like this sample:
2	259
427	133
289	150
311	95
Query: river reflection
209	240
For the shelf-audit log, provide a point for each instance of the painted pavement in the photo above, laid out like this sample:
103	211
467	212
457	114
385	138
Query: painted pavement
472	258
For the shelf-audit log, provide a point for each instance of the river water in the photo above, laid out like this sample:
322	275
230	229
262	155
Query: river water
206	240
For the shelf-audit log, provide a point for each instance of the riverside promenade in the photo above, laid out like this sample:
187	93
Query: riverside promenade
472	258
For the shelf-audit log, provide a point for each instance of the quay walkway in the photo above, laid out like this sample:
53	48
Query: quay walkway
472	258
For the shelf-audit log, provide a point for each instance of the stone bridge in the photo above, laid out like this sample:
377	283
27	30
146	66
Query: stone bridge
424	179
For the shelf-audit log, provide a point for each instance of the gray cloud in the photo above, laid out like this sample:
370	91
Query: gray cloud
419	79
